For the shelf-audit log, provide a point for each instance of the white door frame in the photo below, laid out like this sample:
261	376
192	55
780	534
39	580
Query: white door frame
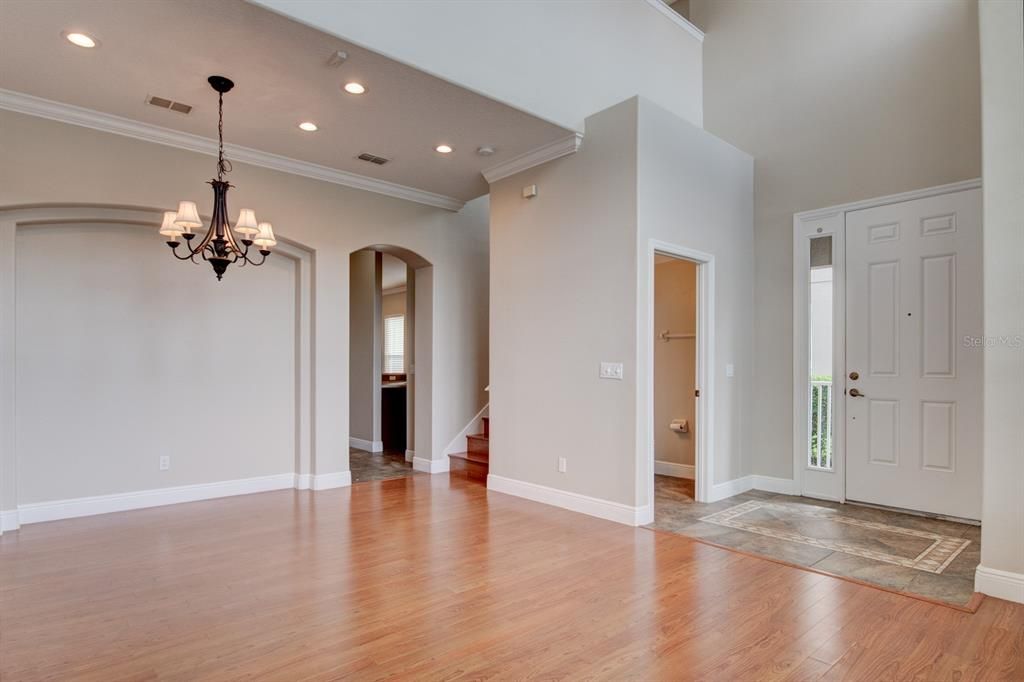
703	451
806	226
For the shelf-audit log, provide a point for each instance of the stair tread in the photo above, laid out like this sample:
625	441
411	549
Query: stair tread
481	436
480	458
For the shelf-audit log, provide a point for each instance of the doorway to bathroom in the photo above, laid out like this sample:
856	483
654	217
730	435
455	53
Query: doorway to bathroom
675	381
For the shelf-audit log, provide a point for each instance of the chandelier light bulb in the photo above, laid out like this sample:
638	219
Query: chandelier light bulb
247	225
266	238
169	228
188	216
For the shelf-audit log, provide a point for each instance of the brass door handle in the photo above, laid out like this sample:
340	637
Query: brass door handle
854	393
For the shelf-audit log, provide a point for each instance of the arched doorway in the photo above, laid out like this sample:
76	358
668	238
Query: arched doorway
390	356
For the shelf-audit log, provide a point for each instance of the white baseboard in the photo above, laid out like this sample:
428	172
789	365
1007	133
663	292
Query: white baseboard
720	491
783	486
999	584
430	466
9	520
337	479
409	455
663	468
584	504
368	445
158	497
458	443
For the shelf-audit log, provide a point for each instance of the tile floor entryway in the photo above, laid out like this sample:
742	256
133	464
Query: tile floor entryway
929	557
377	466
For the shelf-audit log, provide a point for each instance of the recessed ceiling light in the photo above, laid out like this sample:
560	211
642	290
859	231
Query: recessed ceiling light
443	149
80	39
354	88
308	126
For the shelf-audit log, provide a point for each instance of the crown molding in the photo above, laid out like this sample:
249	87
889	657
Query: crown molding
535	157
828	212
118	125
677	19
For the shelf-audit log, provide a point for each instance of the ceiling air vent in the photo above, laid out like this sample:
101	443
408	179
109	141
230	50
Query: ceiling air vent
379	160
165	103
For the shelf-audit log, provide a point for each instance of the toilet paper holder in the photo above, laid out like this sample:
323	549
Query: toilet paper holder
679	425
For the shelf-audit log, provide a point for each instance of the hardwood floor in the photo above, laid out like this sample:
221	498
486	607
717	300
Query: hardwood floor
425	578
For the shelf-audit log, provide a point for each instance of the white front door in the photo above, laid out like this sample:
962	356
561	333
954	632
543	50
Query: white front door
913	311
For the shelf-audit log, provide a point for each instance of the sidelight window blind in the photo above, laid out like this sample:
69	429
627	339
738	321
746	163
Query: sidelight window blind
394	344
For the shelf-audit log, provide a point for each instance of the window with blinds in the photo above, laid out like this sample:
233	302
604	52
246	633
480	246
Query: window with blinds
394	344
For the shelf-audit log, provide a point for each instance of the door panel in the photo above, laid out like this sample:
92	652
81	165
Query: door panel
913	273
884	431
883	319
938	316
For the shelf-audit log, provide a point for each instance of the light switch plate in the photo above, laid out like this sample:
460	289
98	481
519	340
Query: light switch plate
730	370
611	370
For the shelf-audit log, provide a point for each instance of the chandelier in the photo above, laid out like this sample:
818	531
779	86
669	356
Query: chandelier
220	247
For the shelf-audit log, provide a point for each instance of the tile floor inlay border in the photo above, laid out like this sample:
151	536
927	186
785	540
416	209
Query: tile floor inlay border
933	559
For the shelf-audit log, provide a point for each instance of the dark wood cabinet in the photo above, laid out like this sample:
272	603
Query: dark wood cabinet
392	415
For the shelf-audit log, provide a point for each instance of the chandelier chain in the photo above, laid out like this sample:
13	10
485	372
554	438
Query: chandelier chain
223	165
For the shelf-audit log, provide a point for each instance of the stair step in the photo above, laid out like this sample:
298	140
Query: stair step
474	466
479	458
478	443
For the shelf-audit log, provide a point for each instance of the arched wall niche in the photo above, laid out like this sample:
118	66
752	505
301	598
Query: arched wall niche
23	219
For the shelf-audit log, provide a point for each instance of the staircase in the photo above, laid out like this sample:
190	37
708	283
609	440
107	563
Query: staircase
473	463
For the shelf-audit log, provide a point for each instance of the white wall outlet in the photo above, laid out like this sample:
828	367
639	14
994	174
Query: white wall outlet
730	370
561	464
165	462
611	370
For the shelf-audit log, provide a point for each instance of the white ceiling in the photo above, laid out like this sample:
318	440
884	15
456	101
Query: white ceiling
168	48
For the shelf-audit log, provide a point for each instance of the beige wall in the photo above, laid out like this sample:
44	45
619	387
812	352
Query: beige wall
1002	89
365	341
552	325
696	191
393	304
45	162
410	360
642	173
114	367
837	101
675	361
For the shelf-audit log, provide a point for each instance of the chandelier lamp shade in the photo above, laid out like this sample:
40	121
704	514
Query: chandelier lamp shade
220	246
